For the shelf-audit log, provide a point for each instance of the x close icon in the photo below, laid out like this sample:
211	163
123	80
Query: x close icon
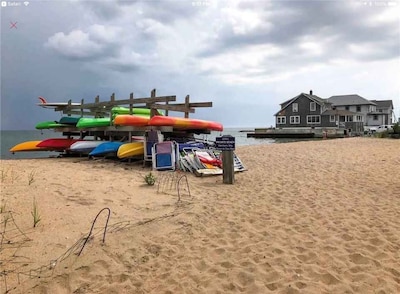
13	25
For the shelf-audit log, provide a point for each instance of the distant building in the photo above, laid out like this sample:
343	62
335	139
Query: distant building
383	113
344	111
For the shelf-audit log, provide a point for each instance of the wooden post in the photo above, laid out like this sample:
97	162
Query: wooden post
131	103
226	144
82	101
153	112
187	99
228	167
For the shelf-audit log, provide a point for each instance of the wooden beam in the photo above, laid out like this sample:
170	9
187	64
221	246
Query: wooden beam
173	107
187	100
145	100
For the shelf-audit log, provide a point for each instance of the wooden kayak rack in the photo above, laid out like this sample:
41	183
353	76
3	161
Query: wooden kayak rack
154	102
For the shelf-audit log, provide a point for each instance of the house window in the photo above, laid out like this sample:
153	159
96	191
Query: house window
281	120
333	107
295	107
332	118
358	108
347	107
380	110
375	117
313	119
313	106
359	118
295	119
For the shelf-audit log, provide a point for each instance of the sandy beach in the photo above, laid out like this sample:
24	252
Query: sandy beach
306	217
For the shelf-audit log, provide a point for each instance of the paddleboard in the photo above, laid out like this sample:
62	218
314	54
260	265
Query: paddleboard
106	148
28	146
185	123
130	149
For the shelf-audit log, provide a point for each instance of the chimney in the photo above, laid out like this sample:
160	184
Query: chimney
310	92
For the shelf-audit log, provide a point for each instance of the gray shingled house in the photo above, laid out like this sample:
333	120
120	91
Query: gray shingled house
344	111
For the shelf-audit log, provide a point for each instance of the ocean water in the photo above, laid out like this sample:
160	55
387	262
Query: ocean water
9	139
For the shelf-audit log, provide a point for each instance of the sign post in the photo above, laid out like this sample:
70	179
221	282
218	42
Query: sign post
226	144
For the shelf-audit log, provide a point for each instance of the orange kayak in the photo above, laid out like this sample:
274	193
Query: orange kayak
28	146
131	120
185	123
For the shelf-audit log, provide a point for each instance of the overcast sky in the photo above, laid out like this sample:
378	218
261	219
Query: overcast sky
246	57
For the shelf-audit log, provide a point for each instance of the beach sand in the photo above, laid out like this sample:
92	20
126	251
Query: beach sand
306	217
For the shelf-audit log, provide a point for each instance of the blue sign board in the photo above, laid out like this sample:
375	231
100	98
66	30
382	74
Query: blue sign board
225	143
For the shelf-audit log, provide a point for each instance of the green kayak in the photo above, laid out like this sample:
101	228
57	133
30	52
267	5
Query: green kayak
136	111
85	122
50	125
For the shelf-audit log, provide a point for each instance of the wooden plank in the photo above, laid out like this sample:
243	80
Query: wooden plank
173	107
187	100
146	100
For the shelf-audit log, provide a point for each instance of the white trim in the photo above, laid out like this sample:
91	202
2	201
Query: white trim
281	120
313	116
295	109
313	108
330	118
294	119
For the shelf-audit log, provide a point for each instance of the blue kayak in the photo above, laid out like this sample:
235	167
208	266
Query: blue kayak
106	148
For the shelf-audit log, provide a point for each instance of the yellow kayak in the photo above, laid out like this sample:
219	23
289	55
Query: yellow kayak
130	149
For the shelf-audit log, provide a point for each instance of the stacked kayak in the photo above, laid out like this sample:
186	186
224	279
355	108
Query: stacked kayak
106	148
84	147
57	143
130	150
49	125
185	123
131	120
28	146
66	121
85	122
124	110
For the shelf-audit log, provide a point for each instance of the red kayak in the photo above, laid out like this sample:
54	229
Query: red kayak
185	123
57	143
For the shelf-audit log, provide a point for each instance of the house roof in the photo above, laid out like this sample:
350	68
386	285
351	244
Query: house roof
352	99
313	98
383	103
309	96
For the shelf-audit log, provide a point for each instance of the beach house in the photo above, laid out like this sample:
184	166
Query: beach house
309	111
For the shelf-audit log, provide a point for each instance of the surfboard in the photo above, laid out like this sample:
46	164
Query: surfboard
43	103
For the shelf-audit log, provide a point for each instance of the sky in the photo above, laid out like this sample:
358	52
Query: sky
246	57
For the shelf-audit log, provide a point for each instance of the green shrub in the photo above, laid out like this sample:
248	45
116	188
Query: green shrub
150	179
396	128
